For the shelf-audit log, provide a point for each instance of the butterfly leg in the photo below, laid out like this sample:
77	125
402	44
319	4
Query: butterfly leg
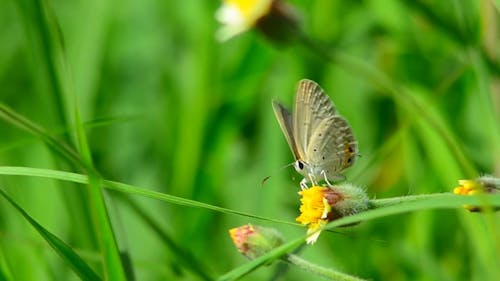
326	179
303	184
314	182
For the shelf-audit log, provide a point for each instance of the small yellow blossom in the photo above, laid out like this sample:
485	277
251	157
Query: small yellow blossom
468	187
314	211
481	185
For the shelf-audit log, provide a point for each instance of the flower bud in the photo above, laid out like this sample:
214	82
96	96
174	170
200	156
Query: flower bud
255	241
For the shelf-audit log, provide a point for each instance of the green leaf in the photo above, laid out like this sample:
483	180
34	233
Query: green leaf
62	249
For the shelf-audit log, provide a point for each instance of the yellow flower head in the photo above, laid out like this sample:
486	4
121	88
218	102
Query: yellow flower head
468	187
314	210
323	204
314	206
484	184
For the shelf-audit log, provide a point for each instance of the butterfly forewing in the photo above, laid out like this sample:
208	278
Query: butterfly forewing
284	118
312	106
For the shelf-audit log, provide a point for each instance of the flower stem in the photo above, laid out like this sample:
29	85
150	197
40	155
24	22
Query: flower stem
379	203
327	273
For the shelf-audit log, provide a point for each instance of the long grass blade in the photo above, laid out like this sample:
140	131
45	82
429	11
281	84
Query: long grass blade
113	266
183	255
79	266
129	189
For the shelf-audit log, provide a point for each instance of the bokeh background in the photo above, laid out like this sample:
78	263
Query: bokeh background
169	108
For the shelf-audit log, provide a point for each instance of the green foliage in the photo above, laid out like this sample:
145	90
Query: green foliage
134	136
75	261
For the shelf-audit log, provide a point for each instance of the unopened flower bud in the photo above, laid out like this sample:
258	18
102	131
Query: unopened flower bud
255	241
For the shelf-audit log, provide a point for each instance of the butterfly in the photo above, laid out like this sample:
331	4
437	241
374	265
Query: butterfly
321	140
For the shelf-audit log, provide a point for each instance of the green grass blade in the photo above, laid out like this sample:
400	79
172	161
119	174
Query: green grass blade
21	122
78	265
45	35
411	203
3	276
262	260
46	48
183	255
48	31
4	268
129	189
113	266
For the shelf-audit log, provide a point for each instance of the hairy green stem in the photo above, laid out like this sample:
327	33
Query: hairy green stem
327	273
379	203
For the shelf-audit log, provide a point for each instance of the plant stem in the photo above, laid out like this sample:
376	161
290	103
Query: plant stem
327	273
380	203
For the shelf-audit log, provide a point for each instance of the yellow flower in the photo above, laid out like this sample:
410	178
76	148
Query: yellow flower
238	16
323	204
484	184
468	187
314	210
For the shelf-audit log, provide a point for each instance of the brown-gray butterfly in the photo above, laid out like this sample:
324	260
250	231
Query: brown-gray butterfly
321	140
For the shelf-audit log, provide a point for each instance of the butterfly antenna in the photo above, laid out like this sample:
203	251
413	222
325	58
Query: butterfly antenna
264	180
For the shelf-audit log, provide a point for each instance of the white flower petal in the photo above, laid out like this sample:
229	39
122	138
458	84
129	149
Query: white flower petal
229	14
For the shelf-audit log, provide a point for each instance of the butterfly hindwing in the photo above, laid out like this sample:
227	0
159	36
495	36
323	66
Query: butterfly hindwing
332	145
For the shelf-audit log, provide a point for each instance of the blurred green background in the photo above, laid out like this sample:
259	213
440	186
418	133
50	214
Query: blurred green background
169	108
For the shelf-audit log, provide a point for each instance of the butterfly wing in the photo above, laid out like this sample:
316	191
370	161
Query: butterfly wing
312	106
332	146
284	118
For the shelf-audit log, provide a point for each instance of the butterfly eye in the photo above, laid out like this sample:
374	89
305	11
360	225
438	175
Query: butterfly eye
299	165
